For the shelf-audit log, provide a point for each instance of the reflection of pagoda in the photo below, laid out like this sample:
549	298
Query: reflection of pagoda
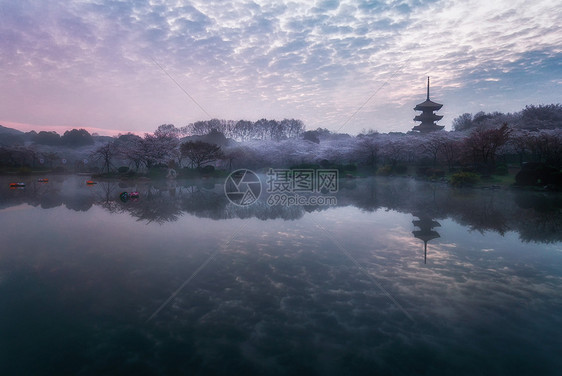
426	232
427	117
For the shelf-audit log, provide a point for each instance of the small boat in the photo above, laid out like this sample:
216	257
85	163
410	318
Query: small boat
17	185
90	182
134	195
44	180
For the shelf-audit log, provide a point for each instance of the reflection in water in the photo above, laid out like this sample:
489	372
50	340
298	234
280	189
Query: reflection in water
535	216
77	288
425	232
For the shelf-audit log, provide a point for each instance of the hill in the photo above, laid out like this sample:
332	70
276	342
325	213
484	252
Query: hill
12	131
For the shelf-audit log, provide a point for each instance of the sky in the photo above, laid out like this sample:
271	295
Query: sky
116	66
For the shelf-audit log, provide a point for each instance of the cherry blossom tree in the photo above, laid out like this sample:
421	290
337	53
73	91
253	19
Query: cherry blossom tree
483	145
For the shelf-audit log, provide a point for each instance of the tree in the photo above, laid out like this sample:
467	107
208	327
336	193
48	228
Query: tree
200	153
369	149
17	156
235	153
77	137
167	131
451	151
50	158
47	138
311	136
432	146
520	144
483	145
243	130
463	122
156	149
393	150
542	116
129	147
105	153
8	139
546	146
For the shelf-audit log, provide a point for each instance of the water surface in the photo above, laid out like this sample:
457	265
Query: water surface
182	281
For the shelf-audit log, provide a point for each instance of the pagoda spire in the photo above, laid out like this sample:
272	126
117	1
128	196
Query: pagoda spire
427	117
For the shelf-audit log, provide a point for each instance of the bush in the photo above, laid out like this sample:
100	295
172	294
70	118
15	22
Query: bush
188	173
538	174
502	169
401	169
209	169
463	179
157	172
24	170
350	167
430	172
385	170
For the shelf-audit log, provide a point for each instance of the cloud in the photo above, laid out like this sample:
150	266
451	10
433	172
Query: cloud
267	55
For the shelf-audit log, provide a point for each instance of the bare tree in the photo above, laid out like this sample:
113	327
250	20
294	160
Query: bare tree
105	153
200	153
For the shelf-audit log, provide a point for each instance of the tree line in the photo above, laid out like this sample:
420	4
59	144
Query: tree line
245	130
530	118
483	143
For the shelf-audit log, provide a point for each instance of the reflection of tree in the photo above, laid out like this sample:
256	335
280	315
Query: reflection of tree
204	203
105	196
154	205
364	196
536	216
480	210
482	214
78	203
541	217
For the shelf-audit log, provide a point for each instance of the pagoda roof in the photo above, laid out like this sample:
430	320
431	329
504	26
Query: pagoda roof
428	105
425	222
428	117
428	127
426	235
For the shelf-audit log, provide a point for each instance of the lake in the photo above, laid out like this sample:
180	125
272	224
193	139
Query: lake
399	277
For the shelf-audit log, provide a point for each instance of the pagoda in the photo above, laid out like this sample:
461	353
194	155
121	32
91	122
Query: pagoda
425	232
427	117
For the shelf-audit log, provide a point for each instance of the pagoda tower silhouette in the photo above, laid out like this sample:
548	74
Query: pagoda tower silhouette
426	231
427	117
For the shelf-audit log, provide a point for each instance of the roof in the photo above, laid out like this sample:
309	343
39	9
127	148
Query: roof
428	127
428	117
428	105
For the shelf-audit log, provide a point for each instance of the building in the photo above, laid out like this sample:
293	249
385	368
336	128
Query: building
427	117
426	231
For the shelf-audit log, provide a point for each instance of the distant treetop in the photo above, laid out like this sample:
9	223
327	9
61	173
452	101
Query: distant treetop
531	117
77	137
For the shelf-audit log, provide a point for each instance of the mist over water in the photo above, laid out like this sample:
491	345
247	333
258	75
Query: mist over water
346	289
